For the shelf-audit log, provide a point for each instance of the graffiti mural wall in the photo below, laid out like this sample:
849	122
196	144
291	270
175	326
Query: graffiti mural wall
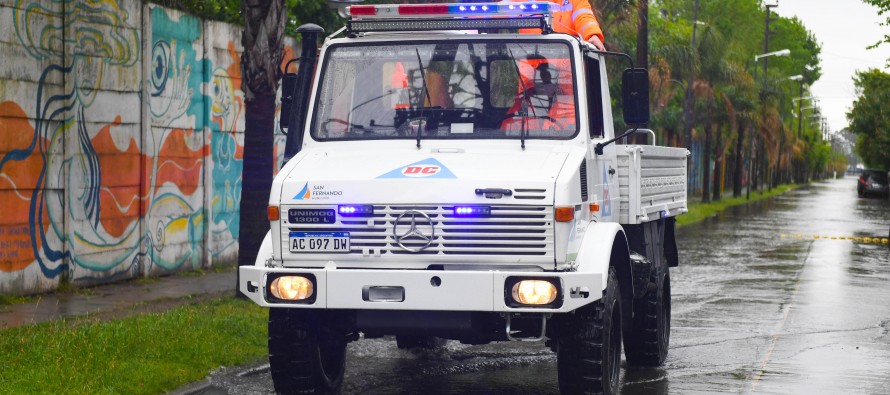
121	142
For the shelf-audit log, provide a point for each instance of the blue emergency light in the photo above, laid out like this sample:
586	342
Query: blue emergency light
356	210
472	211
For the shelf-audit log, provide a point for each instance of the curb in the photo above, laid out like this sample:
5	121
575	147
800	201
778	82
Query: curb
205	387
196	388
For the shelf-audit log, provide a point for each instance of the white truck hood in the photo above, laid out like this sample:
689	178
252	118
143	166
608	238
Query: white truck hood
421	177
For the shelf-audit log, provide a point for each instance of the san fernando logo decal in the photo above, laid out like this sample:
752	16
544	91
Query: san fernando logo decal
304	193
318	192
427	168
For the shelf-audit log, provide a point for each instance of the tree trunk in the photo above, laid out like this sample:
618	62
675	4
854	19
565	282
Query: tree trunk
263	41
718	164
706	154
739	161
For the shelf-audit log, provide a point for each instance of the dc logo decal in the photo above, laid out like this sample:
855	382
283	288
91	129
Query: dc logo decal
421	171
427	168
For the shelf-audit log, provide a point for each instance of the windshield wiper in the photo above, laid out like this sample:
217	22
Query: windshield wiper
426	93
526	102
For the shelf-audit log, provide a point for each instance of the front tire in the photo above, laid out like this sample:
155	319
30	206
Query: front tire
307	355
588	356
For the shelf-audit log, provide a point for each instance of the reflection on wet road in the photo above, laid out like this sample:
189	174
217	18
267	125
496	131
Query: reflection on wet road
759	313
753	312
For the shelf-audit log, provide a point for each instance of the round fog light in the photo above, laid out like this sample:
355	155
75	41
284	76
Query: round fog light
535	292
291	288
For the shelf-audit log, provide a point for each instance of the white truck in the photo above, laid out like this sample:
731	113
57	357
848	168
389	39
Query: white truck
453	179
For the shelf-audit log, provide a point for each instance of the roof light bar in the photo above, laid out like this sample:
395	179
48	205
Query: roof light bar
451	10
405	25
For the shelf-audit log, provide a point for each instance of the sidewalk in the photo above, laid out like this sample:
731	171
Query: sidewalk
118	299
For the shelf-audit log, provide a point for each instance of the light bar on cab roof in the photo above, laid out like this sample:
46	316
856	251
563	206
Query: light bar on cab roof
460	16
451	10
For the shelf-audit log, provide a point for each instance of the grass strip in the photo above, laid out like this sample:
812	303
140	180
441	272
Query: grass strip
8	300
699	211
141	354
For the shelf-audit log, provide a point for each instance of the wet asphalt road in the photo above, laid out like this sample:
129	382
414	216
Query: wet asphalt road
760	305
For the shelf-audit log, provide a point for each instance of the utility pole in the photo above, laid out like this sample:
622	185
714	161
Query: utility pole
642	47
687	104
767	174
766	34
643	34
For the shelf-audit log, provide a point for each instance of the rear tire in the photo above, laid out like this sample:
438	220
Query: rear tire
307	354
588	356
649	338
420	342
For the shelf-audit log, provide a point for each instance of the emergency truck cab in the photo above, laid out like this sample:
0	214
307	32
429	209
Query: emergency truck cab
457	180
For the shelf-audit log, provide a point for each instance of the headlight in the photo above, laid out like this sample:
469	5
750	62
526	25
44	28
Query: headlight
294	288
533	292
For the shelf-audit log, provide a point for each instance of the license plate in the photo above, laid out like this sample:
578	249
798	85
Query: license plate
319	241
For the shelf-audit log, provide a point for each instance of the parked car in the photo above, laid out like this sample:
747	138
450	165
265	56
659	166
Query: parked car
873	182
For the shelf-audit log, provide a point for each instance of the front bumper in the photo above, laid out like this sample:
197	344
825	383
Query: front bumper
423	289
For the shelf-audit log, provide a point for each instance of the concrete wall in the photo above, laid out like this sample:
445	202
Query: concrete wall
121	142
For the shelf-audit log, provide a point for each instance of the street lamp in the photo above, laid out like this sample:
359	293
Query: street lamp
784	52
798	78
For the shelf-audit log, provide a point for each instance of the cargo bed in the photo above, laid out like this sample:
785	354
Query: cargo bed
652	182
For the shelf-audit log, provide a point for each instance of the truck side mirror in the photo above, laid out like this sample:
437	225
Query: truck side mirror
302	86
288	85
635	96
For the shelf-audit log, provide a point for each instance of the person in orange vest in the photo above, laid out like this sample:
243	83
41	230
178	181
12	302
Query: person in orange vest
544	105
575	17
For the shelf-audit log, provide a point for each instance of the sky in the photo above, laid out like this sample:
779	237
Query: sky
845	28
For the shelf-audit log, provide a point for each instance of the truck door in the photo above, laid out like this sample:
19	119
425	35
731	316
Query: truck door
602	176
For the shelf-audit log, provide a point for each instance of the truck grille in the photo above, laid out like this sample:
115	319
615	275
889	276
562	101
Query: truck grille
509	231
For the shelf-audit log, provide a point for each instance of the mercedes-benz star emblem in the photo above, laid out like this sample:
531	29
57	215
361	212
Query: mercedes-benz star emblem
413	233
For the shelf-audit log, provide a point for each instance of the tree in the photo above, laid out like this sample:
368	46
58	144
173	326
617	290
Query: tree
883	8
263	41
869	118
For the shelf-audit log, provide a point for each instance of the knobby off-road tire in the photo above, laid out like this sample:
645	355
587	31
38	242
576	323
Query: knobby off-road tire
649	338
306	356
588	356
419	342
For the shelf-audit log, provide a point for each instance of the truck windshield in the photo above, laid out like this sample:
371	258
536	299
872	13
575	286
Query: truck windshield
452	90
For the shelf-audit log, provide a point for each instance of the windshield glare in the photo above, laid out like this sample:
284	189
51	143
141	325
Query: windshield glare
456	90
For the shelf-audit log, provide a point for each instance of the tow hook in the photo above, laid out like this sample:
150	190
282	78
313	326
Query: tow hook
526	324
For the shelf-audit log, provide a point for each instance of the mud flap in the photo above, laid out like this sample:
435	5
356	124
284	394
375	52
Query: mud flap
671	254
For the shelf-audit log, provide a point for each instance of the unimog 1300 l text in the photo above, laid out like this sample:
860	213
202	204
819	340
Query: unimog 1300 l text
451	178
